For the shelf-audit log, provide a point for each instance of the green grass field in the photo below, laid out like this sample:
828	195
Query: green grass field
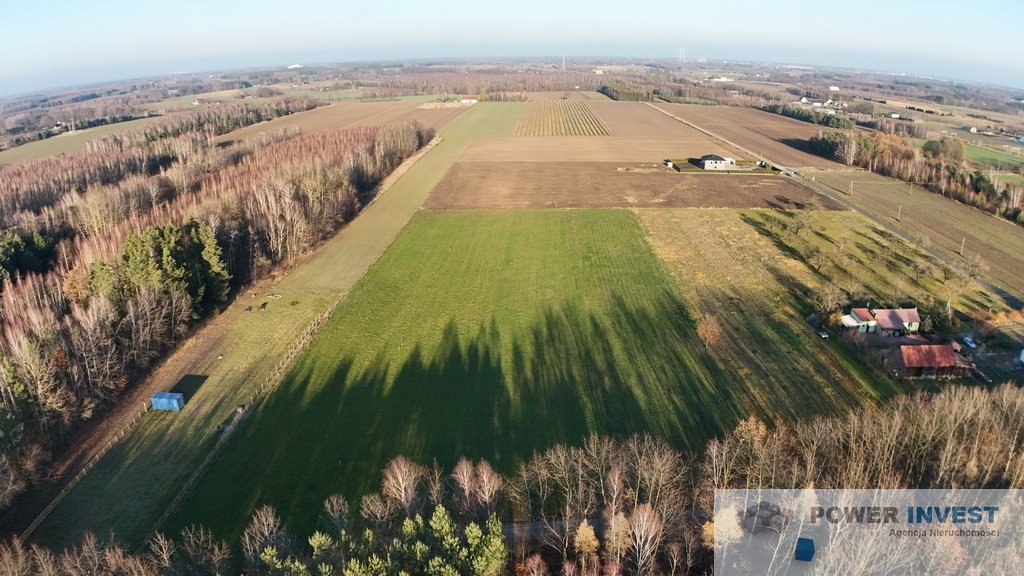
1007	178
131	486
67	143
494	334
985	158
486	334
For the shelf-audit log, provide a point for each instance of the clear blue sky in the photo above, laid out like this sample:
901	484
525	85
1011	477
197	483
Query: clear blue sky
62	42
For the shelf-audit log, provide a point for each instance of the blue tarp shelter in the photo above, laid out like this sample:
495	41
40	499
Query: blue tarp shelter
804	549
172	401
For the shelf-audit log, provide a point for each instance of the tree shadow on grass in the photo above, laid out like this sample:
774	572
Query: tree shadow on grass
481	393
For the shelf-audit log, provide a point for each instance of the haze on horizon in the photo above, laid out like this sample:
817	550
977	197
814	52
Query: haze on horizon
64	43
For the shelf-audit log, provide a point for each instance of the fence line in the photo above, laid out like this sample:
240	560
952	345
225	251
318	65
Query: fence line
268	385
272	381
81	474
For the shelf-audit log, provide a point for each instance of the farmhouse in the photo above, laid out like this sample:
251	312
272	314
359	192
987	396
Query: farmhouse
899	322
930	361
861	320
716	162
884	321
470	100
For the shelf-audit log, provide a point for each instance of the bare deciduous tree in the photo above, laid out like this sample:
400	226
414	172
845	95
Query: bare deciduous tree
377	510
264	531
645	536
489	484
401	483
464	478
336	513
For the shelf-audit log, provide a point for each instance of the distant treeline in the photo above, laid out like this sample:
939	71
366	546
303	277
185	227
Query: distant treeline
810	115
635	506
112	255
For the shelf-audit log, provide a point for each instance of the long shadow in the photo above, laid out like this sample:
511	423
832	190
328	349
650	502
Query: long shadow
637	366
797	144
484	394
189	384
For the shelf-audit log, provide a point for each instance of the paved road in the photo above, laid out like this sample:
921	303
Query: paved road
1008	298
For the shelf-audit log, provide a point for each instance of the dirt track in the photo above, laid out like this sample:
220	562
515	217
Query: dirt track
473	185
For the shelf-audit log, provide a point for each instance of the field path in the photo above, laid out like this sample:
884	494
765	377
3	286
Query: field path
226	360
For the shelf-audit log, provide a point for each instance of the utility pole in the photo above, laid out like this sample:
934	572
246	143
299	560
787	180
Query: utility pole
962	242
851	188
899	214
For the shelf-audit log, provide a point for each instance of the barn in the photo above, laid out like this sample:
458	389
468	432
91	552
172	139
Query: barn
168	401
931	361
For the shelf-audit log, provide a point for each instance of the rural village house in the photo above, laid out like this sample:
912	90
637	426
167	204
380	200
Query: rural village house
883	321
716	162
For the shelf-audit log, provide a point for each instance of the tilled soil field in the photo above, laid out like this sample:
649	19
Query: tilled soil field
475	186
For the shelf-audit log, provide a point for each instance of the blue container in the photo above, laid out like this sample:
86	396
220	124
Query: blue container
171	401
804	549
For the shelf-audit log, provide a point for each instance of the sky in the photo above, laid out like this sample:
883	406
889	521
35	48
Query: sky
52	43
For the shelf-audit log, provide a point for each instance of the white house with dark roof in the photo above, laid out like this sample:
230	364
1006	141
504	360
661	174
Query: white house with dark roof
716	162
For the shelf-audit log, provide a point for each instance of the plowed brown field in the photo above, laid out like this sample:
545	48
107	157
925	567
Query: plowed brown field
638	120
475	185
590	149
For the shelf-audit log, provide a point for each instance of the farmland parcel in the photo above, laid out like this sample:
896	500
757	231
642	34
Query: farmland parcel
493	334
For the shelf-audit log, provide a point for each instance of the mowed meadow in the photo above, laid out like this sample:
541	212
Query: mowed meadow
486	334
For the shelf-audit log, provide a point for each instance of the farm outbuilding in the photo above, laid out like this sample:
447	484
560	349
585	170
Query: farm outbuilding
931	361
169	401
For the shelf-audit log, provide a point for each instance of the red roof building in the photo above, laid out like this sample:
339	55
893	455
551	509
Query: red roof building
931	361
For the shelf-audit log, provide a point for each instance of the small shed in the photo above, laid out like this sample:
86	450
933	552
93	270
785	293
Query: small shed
804	549
169	401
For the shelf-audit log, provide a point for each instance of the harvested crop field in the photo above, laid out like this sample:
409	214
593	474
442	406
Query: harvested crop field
947	224
638	120
559	118
589	149
778	138
523	185
345	114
